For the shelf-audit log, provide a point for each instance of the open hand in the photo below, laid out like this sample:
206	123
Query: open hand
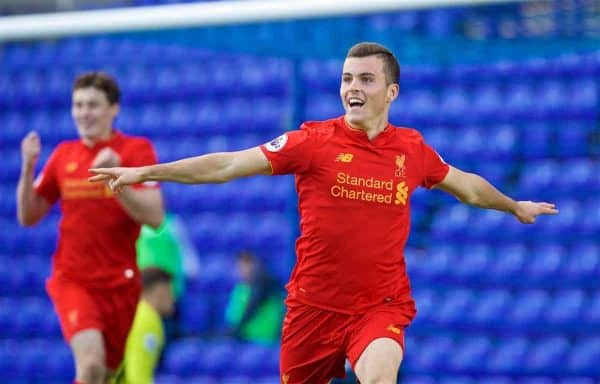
527	211
117	177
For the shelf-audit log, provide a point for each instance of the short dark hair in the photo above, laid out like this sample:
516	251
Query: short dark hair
152	276
101	81
390	63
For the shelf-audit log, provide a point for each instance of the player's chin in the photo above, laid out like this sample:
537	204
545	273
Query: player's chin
354	118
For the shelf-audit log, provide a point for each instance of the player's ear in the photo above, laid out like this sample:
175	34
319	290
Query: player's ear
392	92
115	108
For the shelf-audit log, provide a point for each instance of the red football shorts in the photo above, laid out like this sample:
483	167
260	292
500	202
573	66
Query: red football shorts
315	343
110	311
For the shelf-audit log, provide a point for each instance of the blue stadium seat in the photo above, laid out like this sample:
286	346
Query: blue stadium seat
485	225
217	359
507	357
591	311
421	106
576	380
454	101
451	222
15	127
58	84
537	380
474	262
136	82
566	223
487	102
171	379
274	379
469	354
179	119
321	75
574	140
501	144
490	308
519	101
545	263
438	261
582	263
577	177
183	357
495	380
251	359
271	115
432	354
58	361
427	301
584	356
535	139
201	379
547	356
418	379
538	177
456	380
194	317
566	309
453	305
527	310
590	223
320	107
167	82
236	380
551	99
583	98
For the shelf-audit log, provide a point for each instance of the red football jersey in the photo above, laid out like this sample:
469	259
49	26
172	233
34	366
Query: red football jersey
96	244
353	198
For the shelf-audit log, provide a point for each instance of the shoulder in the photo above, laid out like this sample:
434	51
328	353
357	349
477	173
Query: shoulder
320	129
131	140
409	135
66	146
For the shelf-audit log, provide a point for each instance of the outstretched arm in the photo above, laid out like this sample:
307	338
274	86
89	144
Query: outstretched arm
474	190
206	169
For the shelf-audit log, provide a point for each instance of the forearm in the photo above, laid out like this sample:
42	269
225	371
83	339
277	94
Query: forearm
144	206
485	195
29	210
210	168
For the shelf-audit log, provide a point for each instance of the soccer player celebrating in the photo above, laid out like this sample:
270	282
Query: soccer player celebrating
348	295
95	284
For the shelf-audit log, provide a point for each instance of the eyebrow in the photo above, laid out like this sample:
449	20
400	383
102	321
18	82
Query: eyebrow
360	74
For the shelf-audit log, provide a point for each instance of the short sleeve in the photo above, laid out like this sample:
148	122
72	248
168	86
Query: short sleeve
435	168
290	153
46	183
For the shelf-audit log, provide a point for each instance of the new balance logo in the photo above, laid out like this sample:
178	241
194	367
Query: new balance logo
344	157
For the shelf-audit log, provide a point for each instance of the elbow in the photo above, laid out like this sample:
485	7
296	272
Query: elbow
469	198
26	220
156	218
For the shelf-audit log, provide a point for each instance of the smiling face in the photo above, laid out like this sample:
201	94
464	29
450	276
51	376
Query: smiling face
365	93
93	114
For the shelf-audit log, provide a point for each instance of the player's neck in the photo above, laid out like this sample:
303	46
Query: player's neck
92	141
371	127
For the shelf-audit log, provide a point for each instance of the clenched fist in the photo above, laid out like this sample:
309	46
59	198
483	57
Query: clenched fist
106	158
31	148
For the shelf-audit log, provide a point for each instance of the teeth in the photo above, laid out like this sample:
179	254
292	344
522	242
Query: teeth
355	100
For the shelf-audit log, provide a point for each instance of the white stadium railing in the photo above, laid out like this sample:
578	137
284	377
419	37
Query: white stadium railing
40	26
